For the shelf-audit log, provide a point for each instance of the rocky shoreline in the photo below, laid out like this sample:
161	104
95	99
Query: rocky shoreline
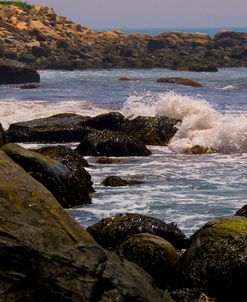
47	256
37	36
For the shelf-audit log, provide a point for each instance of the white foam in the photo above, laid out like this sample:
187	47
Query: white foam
13	110
201	124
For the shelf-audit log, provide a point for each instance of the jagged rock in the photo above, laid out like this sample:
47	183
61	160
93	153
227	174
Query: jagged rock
107	160
180	81
151	130
69	182
110	232
47	256
54	129
14	73
242	211
2	136
216	259
116	181
113	121
108	143
154	254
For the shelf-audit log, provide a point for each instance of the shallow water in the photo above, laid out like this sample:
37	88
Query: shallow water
186	189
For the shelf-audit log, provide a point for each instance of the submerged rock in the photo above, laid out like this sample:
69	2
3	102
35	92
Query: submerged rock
108	143
69	182
152	130
110	232
54	129
180	81
12	72
28	86
126	79
47	256
154	254
107	160
116	181
216	259
197	149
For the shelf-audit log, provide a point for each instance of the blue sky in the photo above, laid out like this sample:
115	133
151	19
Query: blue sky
152	13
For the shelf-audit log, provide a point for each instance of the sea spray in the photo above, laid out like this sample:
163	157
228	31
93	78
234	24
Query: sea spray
201	124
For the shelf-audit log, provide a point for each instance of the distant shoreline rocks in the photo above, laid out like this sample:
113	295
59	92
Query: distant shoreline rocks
37	36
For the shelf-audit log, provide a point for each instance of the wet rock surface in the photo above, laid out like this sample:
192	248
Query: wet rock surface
47	256
69	182
116	181
151	130
110	232
154	254
179	81
12	72
54	129
103	160
109	143
216	259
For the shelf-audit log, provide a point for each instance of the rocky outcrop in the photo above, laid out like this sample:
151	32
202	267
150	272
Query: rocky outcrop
2	136
116	181
111	232
179	81
54	129
12	72
242	211
216	259
154	254
39	37
151	130
109	143
47	256
69	182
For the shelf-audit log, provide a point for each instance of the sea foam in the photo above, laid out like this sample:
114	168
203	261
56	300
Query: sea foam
201	123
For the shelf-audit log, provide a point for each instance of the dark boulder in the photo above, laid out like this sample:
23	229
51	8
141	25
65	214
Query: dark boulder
12	72
70	183
107	143
216	259
203	68
151	130
154	254
65	155
116	181
156	44
111	121
242	211
180	81
2	136
40	51
54	129
110	232
47	256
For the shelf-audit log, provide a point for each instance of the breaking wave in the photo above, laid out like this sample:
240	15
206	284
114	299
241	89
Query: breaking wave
201	123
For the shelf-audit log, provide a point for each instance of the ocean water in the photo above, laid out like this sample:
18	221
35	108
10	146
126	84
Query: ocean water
186	189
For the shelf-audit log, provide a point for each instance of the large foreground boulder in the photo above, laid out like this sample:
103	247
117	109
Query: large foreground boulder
47	256
2	136
12	72
216	259
110	232
151	130
108	143
70	183
58	128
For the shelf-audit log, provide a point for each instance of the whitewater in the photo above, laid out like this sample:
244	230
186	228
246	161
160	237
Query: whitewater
186	189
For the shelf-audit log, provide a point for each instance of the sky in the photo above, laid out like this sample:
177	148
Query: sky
152	13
